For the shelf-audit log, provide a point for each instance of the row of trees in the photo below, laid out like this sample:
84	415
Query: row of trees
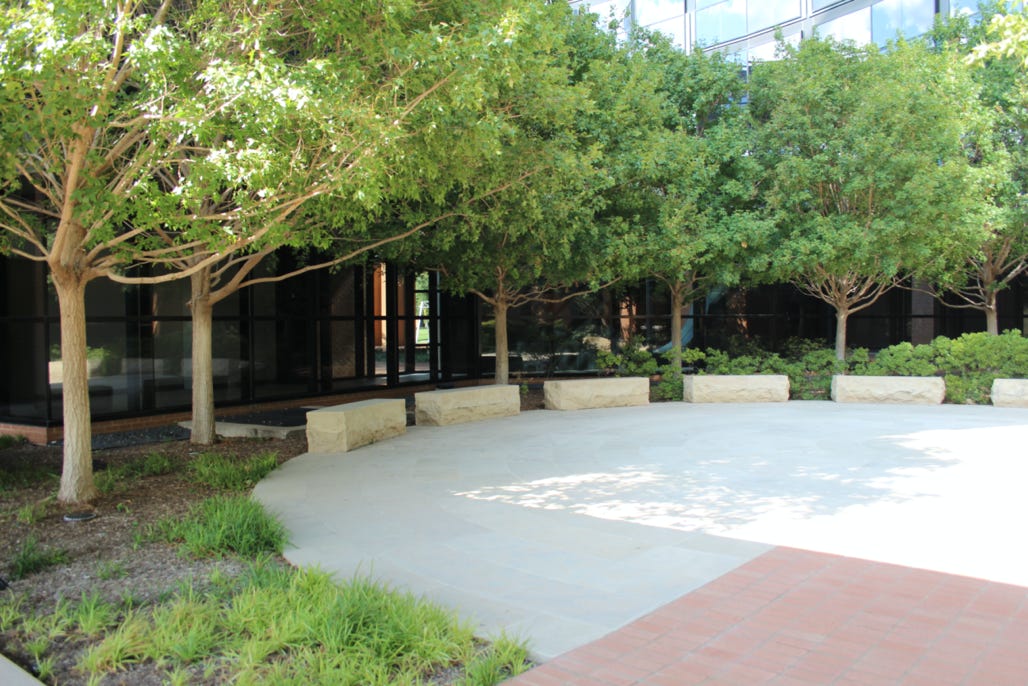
514	146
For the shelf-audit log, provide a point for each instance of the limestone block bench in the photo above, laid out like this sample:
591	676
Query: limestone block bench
1010	392
468	404
582	394
735	388
919	390
344	427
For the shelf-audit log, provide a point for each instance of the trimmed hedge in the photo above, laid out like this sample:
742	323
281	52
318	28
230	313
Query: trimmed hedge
969	364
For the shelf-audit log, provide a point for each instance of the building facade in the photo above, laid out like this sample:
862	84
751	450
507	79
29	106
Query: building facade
746	28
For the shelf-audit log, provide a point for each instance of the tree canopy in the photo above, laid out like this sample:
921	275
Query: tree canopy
867	177
178	135
997	151
693	194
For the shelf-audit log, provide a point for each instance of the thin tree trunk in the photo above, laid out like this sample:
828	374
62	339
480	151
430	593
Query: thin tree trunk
77	484
841	315
502	352
203	431
677	303
991	315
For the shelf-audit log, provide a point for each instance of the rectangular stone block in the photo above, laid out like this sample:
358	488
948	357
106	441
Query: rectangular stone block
1010	392
583	394
735	388
918	390
469	404
344	427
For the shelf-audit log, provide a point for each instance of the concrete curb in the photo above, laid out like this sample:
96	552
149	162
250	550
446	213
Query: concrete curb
13	675
233	430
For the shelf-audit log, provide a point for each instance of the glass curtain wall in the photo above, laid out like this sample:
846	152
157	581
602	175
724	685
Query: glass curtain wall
322	332
745	25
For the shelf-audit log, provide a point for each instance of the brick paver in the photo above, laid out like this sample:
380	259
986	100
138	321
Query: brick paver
799	618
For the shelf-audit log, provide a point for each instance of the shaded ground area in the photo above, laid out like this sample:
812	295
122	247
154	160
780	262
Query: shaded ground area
106	555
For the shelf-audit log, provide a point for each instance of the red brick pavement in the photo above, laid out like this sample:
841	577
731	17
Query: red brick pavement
798	618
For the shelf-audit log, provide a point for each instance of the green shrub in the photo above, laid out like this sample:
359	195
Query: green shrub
224	525
632	360
670	385
155	464
902	359
229	473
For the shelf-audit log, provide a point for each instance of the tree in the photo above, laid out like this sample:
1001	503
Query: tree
549	240
998	154
867	180
416	77
694	192
182	134
83	86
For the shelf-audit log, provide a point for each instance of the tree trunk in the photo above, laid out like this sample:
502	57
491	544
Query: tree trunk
502	352
677	303
991	315
203	373
77	484
841	315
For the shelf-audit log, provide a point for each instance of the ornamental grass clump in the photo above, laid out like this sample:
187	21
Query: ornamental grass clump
297	626
230	473
224	525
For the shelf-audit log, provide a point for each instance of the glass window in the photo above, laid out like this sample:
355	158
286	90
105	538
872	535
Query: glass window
649	12
721	22
23	369
855	27
675	28
764	53
822	4
170	299
910	18
764	15
964	7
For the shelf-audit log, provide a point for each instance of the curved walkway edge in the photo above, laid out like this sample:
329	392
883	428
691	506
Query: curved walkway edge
568	528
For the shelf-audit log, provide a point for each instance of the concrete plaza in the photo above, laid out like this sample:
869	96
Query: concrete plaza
563	527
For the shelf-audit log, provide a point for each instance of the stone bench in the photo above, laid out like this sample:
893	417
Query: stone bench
920	390
735	388
344	427
582	394
468	404
1010	392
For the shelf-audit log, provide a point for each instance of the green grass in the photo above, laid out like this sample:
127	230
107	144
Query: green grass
31	558
116	478
286	626
8	441
230	473
224	525
31	513
273	624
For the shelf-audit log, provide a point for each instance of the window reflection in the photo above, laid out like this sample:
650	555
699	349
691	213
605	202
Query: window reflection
909	18
720	22
649	12
854	27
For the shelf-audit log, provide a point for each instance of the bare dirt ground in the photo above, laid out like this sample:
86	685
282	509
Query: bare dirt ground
108	555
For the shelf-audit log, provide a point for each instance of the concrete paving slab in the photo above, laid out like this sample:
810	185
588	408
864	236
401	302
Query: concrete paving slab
564	526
